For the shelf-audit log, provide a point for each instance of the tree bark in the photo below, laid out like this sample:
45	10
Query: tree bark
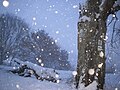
91	42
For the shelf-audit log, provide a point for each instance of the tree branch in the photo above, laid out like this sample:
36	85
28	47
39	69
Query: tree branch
114	9
113	30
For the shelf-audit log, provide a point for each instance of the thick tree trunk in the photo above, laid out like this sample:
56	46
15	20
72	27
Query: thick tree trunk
91	43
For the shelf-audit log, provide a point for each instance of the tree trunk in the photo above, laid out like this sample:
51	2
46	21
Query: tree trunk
91	43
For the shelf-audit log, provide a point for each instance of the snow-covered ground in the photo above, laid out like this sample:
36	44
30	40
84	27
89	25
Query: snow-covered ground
112	82
10	81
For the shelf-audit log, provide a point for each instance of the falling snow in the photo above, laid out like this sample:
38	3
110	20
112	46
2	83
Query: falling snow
75	6
56	19
57	32
5	3
17	86
100	65
56	12
42	64
39	60
91	71
74	73
101	54
34	18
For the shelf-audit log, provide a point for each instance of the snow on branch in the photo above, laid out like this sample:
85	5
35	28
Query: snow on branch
109	6
117	3
101	5
84	19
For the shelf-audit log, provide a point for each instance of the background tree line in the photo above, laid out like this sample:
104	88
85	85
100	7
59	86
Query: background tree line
17	41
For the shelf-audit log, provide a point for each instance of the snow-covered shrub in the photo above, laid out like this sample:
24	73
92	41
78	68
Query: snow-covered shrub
36	70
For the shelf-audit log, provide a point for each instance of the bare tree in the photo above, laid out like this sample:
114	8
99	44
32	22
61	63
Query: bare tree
92	30
12	30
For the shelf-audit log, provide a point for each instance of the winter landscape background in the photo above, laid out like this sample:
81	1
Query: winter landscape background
48	25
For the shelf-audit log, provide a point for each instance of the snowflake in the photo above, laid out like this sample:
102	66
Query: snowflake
45	26
58	81
91	71
34	18
5	3
91	30
56	12
50	6
38	37
96	74
56	41
50	54
17	86
33	46
57	32
113	15
42	49
101	54
18	10
14	67
57	76
75	6
74	73
52	42
42	64
94	19
85	10
116	88
100	65
39	60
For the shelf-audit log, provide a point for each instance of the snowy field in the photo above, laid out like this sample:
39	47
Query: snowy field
10	81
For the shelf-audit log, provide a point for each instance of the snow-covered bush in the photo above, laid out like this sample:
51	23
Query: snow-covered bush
36	70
